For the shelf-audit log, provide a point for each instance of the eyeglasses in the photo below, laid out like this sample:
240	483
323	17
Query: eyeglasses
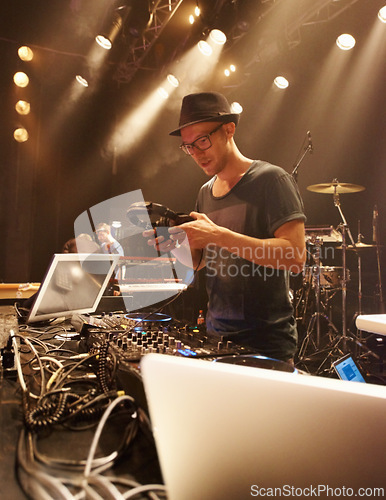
201	143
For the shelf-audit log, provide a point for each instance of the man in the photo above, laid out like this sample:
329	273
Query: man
106	240
248	231
110	245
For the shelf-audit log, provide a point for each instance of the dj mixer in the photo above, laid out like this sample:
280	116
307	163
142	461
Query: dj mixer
131	336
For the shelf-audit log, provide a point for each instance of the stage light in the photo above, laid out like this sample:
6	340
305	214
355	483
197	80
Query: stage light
23	107
227	72
382	14
81	80
25	53
191	19
281	82
236	107
204	48
21	79
107	36
20	134
232	67
197	11
173	80
345	41
217	36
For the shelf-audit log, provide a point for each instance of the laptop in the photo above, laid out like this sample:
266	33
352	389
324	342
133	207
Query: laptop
226	432
73	283
347	369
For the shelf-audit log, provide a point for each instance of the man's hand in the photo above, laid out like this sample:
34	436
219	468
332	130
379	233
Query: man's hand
200	232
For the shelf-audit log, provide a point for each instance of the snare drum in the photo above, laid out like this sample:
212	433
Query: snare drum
331	277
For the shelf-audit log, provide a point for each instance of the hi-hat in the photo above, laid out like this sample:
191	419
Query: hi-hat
358	246
335	187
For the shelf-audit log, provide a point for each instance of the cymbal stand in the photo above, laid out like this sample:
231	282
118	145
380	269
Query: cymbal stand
378	248
304	354
343	338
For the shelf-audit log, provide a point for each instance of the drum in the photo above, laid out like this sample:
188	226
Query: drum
331	277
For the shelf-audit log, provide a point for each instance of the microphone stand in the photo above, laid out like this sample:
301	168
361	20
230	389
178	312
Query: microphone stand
309	149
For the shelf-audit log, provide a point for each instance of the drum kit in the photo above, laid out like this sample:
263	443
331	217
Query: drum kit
321	283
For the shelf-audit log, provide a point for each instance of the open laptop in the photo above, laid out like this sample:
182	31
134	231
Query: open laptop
74	283
347	369
226	432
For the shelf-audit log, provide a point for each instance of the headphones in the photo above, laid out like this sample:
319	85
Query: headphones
159	215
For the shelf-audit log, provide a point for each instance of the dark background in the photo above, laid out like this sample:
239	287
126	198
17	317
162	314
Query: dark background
67	167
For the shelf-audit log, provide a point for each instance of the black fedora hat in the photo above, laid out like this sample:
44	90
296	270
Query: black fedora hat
205	107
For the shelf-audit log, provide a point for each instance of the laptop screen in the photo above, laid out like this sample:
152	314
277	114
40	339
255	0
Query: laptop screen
229	432
347	369
74	283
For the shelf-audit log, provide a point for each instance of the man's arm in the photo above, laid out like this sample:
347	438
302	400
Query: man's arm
286	250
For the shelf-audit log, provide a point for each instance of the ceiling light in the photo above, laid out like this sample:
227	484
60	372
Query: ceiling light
204	48
281	82
25	53
20	134
227	72
236	107
197	11
107	36
232	67
191	19
173	80
23	107
217	36
80	79
345	41
21	79
382	14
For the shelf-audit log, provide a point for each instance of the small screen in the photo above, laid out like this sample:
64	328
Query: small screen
73	283
347	369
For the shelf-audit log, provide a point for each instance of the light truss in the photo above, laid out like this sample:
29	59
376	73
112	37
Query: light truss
161	14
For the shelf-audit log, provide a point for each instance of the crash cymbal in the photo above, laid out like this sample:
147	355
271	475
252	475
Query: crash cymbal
335	187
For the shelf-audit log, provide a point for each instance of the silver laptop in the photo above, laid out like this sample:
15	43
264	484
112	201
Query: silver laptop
74	283
226	432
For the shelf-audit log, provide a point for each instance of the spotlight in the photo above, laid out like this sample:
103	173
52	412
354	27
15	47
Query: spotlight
80	79
25	53
204	48
232	67
107	36
227	72
281	82
23	107
20	134
217	36
382	14
191	19
173	80
345	41
21	79
197	11
236	107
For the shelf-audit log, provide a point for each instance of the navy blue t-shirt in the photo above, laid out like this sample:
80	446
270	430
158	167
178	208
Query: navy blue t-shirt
248	303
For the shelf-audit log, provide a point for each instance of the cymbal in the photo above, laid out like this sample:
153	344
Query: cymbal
335	187
358	246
